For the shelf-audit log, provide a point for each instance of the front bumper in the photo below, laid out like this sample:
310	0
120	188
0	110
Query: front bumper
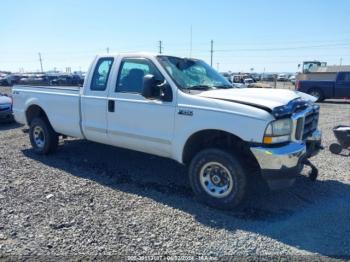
280	166
6	115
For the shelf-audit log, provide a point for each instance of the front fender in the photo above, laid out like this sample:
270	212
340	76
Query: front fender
246	128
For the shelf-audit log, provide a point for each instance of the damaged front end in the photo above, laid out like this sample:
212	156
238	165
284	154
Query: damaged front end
281	163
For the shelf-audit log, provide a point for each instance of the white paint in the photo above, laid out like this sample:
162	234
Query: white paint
150	126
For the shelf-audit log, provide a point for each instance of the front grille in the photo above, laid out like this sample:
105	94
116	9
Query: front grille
306	124
310	123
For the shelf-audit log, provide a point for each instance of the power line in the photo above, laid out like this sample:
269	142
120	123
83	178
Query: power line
283	48
334	44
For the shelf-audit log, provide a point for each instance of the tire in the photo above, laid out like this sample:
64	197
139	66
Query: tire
316	93
335	148
204	170
43	138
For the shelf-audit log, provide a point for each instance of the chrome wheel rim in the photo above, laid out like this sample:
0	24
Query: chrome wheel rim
216	180
39	137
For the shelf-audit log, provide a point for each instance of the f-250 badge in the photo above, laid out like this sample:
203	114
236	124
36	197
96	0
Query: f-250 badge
185	112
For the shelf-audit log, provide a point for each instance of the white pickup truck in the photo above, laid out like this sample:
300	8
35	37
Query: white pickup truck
181	109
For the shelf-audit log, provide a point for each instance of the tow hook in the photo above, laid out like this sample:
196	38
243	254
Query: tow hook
313	174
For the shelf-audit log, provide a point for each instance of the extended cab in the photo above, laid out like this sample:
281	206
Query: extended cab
181	109
323	89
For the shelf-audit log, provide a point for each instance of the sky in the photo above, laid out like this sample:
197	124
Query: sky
270	35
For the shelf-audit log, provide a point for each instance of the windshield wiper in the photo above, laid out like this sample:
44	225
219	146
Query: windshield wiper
224	86
199	87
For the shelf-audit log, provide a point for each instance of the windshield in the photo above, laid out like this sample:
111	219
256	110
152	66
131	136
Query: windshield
193	74
310	66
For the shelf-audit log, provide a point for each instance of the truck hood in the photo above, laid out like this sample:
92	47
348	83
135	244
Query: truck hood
5	100
267	99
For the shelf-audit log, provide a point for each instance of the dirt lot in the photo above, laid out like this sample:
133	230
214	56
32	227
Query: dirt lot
91	199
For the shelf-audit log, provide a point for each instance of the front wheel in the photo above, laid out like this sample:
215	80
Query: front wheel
43	138
316	93
218	178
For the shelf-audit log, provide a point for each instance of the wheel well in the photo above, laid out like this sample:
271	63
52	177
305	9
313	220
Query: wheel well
35	111
218	139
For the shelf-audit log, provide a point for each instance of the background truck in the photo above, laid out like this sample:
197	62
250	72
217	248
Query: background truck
323	89
181	109
316	70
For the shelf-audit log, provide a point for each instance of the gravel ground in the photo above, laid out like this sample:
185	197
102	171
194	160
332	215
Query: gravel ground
90	199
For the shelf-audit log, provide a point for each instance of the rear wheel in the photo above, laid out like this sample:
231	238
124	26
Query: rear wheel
316	93
218	178
43	138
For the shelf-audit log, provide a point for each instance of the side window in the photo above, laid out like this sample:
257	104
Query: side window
131	73
346	76
101	74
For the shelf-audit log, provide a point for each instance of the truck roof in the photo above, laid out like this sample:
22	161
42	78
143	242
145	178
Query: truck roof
135	54
127	54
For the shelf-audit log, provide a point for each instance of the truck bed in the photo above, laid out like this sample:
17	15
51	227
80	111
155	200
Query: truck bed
326	87
62	104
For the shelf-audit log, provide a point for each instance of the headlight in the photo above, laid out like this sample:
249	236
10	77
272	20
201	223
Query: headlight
278	131
3	106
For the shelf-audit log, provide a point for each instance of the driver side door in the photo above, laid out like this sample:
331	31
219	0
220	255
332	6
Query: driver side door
135	122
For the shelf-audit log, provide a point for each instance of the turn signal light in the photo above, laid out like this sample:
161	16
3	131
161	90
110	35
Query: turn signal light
267	140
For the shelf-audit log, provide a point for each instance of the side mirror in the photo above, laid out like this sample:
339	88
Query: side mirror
150	88
154	88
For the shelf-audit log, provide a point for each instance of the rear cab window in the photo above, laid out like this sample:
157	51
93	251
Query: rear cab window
101	74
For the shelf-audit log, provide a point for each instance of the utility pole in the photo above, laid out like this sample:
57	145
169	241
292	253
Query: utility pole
341	61
263	77
41	63
211	52
160	47
107	49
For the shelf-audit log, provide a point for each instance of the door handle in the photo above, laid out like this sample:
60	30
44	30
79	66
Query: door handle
111	105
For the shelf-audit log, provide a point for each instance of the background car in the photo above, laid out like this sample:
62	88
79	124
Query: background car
6	108
40	79
10	80
248	81
238	85
282	77
68	80
292	79
267	77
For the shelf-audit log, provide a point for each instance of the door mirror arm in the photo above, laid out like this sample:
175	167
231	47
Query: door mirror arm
166	93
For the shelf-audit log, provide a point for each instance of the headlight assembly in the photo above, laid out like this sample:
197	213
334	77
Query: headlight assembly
278	131
5	106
